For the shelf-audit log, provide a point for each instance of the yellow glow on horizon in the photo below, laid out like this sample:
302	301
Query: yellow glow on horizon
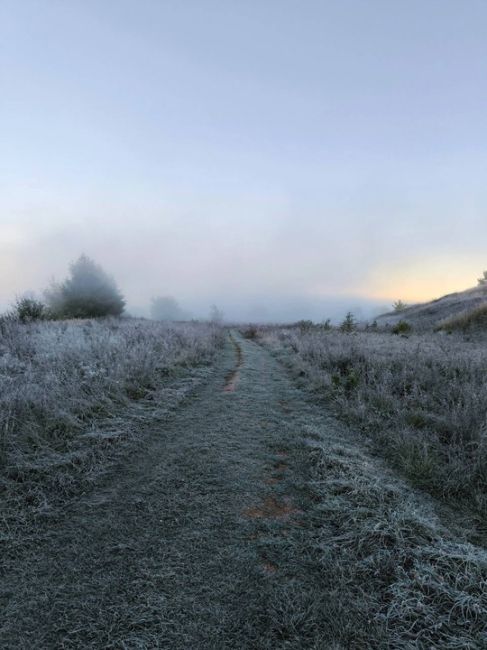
423	280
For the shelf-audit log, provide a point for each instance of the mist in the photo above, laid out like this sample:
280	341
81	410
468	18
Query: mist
193	153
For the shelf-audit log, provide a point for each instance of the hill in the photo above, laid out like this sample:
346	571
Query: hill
452	307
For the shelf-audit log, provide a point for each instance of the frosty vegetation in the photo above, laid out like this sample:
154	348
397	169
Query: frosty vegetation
58	379
423	398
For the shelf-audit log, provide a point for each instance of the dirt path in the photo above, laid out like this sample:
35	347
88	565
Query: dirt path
202	541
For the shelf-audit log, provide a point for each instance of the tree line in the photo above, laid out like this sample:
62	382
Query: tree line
89	292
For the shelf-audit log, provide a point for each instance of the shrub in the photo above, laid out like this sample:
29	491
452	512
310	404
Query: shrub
305	325
88	293
250	332
29	310
402	327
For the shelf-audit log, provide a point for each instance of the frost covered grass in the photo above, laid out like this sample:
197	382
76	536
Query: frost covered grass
60	380
400	578
422	398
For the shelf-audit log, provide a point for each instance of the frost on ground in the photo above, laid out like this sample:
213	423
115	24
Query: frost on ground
422	399
65	388
248	519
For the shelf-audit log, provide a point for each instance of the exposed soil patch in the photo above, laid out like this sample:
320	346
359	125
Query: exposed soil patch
273	480
280	467
231	380
269	567
272	508
284	406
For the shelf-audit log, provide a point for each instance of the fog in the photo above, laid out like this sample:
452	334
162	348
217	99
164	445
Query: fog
281	160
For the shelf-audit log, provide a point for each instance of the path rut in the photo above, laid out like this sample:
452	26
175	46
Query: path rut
168	554
212	536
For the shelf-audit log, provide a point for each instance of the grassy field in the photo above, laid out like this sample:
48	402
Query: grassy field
65	387
153	470
422	398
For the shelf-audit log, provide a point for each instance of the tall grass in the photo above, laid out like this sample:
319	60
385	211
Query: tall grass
468	321
58	378
422	398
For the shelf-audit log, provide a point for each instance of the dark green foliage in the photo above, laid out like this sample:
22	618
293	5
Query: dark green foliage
305	325
399	306
348	324
87	293
250	332
29	310
402	327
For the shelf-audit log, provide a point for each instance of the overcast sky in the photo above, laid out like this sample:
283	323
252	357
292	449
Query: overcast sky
276	157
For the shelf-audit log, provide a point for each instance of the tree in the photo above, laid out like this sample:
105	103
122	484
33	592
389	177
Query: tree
399	306
166	308
483	280
348	324
88	292
216	315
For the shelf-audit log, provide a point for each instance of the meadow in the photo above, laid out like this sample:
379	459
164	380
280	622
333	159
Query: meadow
422	398
150	469
65	387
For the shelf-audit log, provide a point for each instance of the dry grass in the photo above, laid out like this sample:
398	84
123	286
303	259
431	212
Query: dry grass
422	398
59	381
471	320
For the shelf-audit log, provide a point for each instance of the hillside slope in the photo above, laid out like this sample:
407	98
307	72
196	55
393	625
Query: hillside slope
430	314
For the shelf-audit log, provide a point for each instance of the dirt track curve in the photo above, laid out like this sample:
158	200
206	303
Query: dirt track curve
192	543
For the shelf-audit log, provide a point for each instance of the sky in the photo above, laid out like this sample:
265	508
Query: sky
280	158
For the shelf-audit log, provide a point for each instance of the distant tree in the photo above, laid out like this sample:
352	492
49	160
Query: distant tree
88	292
399	306
326	324
305	325
166	308
216	315
483	280
348	324
29	310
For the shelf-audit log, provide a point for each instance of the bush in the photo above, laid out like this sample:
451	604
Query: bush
29	310
250	332
402	327
305	325
88	293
